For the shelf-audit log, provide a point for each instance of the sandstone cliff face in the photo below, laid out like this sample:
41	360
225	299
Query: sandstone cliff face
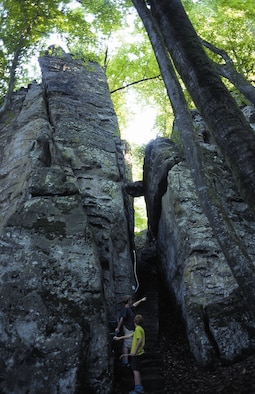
219	326
65	225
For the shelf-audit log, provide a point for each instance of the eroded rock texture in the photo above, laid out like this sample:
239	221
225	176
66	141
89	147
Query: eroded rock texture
218	323
65	225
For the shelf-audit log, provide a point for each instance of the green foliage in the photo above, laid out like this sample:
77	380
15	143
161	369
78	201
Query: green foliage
139	203
228	25
140	215
110	32
23	24
89	28
131	60
137	161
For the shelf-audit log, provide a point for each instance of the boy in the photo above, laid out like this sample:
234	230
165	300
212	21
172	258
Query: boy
137	351
127	321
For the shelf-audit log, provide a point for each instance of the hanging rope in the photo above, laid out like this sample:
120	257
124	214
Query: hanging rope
135	272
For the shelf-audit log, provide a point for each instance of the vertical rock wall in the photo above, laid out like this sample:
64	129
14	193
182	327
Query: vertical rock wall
219	325
64	232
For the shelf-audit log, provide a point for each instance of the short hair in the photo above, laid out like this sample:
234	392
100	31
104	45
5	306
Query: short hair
127	298
138	320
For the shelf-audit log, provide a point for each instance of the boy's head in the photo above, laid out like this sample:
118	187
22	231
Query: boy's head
127	299
138	320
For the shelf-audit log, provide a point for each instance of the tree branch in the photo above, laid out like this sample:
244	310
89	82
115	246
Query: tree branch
14	66
228	71
218	51
135	83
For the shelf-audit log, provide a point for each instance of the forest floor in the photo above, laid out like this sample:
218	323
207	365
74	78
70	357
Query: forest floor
183	375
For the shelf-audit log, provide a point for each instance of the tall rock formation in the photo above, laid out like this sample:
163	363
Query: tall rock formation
65	232
218	322
66	237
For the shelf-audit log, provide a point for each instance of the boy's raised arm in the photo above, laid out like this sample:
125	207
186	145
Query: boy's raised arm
139	301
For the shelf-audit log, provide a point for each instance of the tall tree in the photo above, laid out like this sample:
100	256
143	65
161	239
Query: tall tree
231	131
23	27
238	259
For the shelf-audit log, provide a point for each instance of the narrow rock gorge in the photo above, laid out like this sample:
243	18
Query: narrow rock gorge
67	240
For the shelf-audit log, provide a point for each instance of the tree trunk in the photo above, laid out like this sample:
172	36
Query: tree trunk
229	128
236	255
7	98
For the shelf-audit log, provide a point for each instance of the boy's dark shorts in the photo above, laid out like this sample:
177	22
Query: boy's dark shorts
136	362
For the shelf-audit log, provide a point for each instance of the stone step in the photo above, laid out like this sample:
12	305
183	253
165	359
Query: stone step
152	384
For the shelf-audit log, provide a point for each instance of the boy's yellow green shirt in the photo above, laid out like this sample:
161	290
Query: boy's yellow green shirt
138	333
